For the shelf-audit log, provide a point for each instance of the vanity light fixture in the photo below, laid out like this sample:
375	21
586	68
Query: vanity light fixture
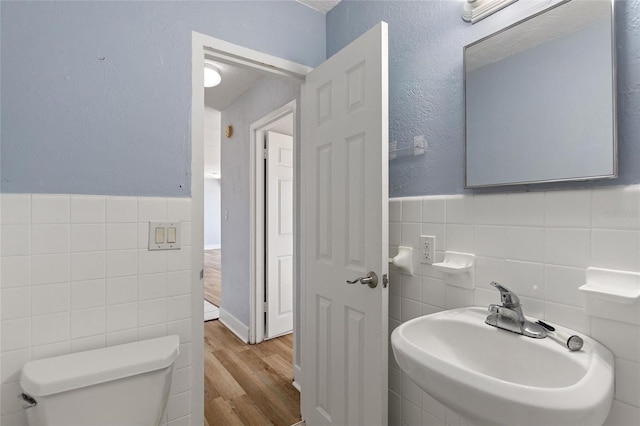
212	75
475	10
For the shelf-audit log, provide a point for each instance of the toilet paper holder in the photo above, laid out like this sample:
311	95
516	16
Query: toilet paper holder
403	260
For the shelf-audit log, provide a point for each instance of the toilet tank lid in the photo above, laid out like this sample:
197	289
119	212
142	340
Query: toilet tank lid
67	372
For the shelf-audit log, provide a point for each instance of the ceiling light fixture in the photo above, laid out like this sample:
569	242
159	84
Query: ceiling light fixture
212	75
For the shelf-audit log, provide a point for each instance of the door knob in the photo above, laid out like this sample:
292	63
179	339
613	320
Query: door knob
371	279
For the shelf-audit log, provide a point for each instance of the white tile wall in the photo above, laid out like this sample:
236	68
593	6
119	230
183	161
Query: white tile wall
538	244
75	275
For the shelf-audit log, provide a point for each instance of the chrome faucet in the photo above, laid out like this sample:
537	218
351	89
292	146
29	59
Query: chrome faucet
508	316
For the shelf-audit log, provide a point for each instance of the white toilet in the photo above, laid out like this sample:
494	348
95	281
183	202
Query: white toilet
120	385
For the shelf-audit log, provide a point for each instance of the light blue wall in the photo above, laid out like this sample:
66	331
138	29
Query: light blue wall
426	87
73	122
96	96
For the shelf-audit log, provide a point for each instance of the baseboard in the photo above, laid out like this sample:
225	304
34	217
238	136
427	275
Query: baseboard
235	325
297	377
213	247
211	311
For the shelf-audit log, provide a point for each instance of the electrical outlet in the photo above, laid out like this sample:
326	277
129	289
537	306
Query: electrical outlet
428	244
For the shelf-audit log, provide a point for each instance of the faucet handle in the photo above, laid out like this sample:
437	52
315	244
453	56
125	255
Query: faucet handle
509	299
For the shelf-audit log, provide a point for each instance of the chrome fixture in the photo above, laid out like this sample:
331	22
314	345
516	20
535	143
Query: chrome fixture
573	342
419	147
371	279
508	316
27	400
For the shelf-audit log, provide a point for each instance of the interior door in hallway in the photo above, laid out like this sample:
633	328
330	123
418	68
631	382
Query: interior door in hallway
279	203
345	231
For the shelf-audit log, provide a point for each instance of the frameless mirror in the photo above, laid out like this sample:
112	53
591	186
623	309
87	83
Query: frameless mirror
540	98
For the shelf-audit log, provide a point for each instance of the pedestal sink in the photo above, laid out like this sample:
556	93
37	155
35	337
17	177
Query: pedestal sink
495	377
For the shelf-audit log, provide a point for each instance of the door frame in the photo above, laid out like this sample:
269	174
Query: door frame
232	54
258	214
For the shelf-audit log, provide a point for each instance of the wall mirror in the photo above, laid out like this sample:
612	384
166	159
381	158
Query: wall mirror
540	98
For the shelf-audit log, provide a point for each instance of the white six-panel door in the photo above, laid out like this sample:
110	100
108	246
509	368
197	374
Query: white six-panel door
279	288
345	235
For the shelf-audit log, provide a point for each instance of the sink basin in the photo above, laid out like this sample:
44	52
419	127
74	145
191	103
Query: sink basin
492	376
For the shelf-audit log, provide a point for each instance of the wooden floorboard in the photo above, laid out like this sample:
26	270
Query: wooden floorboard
212	276
279	364
248	412
248	384
221	412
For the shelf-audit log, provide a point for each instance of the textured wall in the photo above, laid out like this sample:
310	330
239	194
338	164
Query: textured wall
96	96
426	88
266	96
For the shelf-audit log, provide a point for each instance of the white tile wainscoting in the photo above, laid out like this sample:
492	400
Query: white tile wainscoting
76	275
538	244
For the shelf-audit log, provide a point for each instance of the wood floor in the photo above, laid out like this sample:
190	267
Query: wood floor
212	259
248	384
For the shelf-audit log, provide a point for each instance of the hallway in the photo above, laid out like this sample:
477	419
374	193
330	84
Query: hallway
248	384
212	262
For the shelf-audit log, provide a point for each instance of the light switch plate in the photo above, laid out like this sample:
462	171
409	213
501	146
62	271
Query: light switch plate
160	233
171	235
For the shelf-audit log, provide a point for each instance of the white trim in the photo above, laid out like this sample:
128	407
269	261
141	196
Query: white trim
235	325
211	311
476	10
213	247
197	227
202	44
244	57
257	212
297	377
302	251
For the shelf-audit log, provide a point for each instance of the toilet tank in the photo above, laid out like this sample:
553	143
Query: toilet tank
119	385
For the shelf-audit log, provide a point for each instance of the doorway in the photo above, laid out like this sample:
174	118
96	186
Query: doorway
364	63
279	218
236	372
227	357
273	295
212	210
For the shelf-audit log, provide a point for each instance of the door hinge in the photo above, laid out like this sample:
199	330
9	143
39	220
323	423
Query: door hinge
264	307
265	153
201	274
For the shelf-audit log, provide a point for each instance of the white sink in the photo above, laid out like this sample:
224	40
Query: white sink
492	376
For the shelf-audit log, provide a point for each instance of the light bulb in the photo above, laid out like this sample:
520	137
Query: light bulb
212	75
